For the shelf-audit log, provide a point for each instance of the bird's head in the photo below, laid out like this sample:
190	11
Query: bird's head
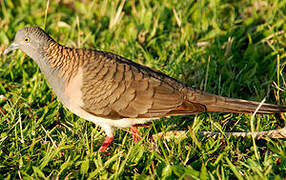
31	40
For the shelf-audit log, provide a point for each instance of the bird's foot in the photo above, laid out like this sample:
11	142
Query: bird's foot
105	143
135	133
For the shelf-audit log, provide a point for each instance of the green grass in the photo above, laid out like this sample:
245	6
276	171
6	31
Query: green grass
227	47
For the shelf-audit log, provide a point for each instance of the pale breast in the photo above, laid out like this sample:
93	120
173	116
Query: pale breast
73	94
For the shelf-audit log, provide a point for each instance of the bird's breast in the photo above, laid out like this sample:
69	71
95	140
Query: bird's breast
72	98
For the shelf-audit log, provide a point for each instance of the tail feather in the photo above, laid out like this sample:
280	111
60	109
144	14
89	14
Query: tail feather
244	106
223	104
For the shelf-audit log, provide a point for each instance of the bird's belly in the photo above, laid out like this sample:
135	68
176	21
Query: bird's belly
101	121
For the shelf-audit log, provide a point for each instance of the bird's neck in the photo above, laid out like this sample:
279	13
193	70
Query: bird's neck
58	64
65	60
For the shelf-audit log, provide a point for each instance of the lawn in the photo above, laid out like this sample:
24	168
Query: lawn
226	47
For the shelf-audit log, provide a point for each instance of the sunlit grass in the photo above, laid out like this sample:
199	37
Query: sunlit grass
230	48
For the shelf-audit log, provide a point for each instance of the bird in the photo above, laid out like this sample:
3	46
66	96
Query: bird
115	92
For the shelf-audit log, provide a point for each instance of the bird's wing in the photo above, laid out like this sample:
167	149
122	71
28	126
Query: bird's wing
115	87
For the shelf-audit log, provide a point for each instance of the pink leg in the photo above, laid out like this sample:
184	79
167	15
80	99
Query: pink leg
105	144
135	133
2	110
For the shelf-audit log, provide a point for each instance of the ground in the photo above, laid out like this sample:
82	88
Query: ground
227	47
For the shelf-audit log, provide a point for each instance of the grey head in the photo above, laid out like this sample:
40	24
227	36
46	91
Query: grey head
34	42
31	40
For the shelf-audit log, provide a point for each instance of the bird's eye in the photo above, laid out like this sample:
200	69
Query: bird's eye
27	39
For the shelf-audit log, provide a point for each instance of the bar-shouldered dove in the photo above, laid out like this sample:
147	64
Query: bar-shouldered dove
114	92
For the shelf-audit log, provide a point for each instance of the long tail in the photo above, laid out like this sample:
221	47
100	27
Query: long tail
224	104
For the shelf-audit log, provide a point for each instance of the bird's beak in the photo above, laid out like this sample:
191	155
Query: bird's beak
12	47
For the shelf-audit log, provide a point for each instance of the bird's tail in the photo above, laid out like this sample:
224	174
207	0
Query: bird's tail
223	104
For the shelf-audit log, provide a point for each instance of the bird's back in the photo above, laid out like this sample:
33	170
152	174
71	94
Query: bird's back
115	87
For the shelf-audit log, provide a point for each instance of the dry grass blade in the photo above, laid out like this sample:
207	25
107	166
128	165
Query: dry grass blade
276	134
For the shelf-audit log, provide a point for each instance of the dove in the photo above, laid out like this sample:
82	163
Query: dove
115	92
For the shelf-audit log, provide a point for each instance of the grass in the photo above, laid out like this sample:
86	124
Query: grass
231	48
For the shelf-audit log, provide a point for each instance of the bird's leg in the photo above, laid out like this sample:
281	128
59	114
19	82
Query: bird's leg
105	143
135	133
2	110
